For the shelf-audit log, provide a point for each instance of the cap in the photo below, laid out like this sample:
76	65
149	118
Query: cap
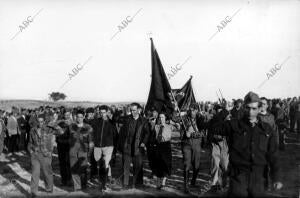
251	97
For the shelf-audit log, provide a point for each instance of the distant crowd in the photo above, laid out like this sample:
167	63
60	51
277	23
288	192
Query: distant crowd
91	137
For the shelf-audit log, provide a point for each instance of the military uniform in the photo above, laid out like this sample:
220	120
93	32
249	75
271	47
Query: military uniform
80	138
191	148
251	148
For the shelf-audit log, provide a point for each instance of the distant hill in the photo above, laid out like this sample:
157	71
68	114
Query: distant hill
8	104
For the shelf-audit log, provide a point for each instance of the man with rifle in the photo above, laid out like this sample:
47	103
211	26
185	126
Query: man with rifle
192	135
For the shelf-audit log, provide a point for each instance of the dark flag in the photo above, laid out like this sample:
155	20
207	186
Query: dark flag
160	91
185	96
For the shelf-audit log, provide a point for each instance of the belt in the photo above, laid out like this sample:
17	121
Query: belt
196	135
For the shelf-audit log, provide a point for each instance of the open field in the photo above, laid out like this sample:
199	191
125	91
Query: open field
7	104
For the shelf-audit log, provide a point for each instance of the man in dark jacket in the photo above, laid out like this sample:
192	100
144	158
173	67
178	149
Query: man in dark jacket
132	144
63	148
104	133
252	145
24	129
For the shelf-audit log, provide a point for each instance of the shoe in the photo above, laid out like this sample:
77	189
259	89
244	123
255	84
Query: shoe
186	181
33	195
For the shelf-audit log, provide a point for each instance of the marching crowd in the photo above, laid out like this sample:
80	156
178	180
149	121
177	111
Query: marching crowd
244	137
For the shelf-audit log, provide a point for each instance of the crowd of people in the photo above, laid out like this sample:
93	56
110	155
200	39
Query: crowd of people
244	137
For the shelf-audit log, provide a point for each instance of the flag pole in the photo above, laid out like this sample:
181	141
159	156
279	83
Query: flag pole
184	128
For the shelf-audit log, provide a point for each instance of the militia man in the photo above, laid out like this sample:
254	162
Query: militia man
191	144
252	145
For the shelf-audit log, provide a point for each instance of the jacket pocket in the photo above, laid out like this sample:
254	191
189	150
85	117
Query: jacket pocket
263	141
239	140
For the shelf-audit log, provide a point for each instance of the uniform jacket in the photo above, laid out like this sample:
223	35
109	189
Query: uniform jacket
141	136
270	119
43	143
249	146
200	126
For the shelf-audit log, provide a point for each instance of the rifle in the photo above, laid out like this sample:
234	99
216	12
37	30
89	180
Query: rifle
184	128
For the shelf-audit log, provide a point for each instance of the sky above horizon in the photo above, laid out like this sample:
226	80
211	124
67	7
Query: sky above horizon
113	60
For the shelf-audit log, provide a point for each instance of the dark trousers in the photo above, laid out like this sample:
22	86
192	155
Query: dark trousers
22	141
78	163
247	183
94	170
151	156
38	162
137	162
292	123
64	163
13	143
282	139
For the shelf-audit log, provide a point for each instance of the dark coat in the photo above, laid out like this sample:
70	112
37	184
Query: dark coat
23	124
104	132
250	146
141	136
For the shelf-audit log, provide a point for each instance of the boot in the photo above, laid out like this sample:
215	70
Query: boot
193	181
186	181
103	179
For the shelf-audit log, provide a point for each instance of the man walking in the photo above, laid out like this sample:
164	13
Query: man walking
104	133
252	145
132	143
191	145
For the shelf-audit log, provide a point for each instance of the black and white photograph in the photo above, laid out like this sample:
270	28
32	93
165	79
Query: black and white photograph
137	98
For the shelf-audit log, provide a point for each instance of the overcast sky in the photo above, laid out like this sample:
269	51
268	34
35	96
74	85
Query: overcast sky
39	59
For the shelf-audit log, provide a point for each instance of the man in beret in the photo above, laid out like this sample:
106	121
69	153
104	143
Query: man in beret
252	145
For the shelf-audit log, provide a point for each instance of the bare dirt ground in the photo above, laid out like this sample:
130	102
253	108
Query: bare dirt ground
15	177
